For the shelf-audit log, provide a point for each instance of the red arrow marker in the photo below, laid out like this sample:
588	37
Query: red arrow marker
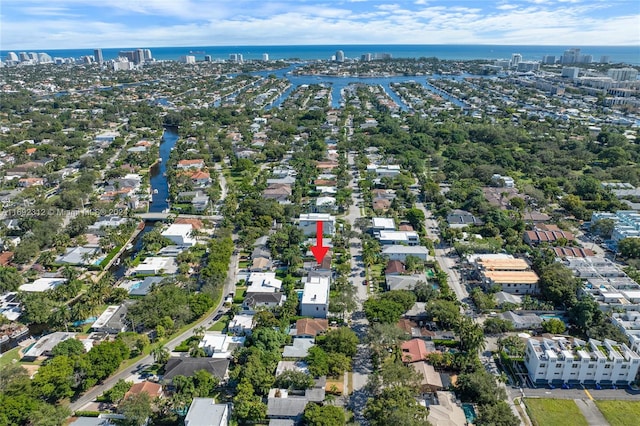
318	251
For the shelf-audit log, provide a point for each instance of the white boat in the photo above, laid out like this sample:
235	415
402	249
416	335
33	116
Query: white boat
155	191
159	160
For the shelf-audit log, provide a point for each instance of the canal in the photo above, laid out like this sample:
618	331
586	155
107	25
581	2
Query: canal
160	194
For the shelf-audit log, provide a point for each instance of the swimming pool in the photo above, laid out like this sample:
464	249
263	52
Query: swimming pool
469	412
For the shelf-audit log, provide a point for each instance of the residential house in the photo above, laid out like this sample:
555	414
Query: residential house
263	282
404	282
154	390
390	170
205	412
11	334
381	205
387	238
522	321
186	366
190	164
180	234
112	320
279	192
382	224
104	223
44	345
218	345
200	178
156	265
414	350
307	222
42	284
280	405
461	218
253	302
78	255
445	411
399	252
29	182
241	325
431	380
546	234
299	348
315	296
310	327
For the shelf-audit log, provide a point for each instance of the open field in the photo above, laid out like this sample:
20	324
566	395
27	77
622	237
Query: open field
620	413
554	412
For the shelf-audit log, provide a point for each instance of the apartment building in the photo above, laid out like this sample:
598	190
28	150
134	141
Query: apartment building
510	274
560	360
307	222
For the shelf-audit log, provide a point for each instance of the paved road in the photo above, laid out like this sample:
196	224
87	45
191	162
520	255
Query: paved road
591	413
444	255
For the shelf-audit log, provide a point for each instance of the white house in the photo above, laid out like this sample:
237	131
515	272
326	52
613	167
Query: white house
315	297
180	234
263	282
217	345
241	324
156	265
307	222
568	360
399	252
388	238
383	224
42	284
205	412
390	170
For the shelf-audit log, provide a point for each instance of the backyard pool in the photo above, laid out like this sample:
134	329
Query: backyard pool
469	412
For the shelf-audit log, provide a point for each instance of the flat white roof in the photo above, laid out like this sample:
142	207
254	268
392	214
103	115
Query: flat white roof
383	222
397	235
42	284
316	291
406	249
104	318
179	229
324	217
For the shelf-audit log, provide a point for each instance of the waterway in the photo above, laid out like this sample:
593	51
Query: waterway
158	180
339	83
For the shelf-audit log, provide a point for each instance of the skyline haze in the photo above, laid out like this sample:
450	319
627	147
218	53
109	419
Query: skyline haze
37	24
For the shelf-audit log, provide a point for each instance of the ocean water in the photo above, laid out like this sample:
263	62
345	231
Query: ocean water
616	54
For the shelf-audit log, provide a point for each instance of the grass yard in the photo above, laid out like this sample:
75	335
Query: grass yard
554	412
620	413
8	357
221	324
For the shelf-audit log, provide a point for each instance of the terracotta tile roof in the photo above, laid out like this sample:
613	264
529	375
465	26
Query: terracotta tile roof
153	389
190	162
200	175
573	252
394	267
406	227
311	326
30	151
196	223
414	350
5	257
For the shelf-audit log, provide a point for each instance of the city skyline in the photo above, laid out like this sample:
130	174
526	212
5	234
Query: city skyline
36	24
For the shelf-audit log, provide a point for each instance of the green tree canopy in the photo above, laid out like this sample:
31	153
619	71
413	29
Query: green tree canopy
323	415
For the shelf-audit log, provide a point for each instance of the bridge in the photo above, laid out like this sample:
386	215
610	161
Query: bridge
159	216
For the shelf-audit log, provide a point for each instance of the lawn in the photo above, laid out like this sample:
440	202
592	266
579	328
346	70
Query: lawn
221	324
620	413
554	412
8	357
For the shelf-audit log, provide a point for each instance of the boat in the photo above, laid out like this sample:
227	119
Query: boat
155	191
160	160
128	247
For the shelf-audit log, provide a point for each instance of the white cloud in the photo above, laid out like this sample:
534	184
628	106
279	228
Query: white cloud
71	23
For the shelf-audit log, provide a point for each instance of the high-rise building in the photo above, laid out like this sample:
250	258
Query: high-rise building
570	72
604	59
586	59
129	54
12	56
23	56
207	58
526	66
265	57
549	59
188	59
147	55
516	58
97	55
138	56
44	58
339	56
623	74
571	56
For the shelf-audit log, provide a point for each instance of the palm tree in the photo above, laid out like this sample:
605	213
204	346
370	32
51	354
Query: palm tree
471	335
199	332
160	354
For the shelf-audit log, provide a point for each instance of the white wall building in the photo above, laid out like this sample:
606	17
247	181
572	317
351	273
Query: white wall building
567	360
399	252
180	234
263	282
315	298
388	238
307	222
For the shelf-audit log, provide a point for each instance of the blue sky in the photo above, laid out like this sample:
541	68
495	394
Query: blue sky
61	24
